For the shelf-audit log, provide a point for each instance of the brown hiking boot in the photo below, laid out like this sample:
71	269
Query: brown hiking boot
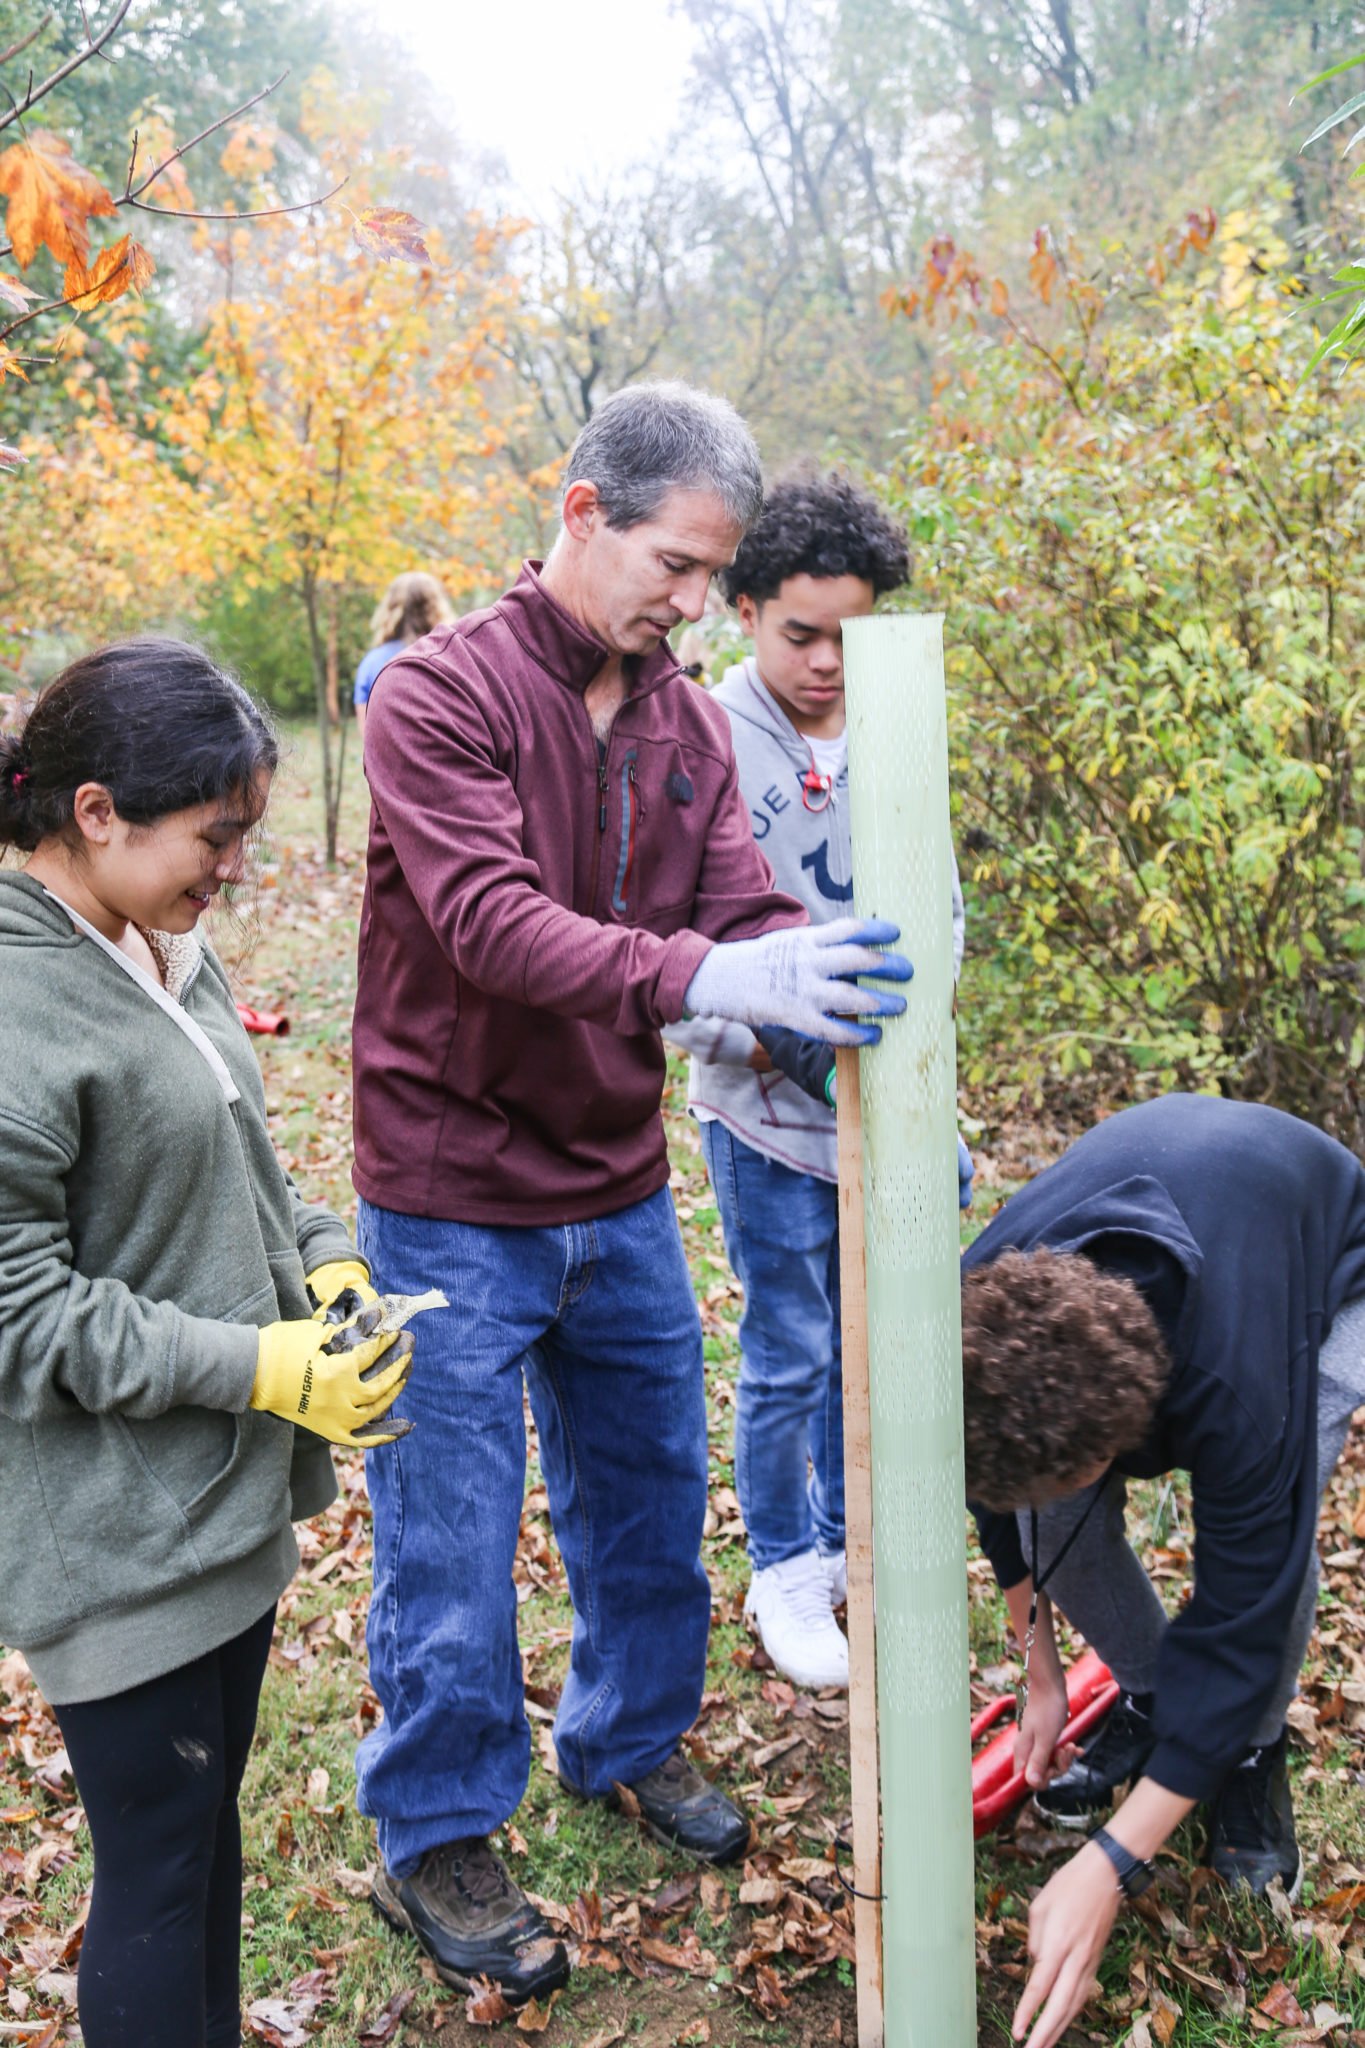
473	1921
684	1810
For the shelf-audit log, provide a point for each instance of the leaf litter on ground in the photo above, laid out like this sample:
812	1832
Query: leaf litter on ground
763	1938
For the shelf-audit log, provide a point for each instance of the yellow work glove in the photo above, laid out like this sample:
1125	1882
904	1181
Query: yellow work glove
327	1393
333	1279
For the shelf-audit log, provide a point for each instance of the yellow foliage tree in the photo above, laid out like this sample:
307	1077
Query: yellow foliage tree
347	422
343	428
50	200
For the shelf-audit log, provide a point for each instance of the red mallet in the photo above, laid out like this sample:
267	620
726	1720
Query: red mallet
997	1788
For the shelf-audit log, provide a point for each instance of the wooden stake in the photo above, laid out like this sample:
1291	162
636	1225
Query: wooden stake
862	1629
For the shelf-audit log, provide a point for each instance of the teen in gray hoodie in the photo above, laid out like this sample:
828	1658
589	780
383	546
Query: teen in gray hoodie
158	1350
821	552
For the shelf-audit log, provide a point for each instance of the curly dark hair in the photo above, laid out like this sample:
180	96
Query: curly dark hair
1063	1366
817	526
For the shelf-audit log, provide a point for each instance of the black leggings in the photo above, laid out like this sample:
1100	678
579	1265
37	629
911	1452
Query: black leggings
158	1770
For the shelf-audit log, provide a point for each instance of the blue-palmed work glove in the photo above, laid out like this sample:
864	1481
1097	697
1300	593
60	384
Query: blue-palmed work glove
966	1173
805	979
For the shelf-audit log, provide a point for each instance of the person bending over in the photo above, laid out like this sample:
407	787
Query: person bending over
1183	1290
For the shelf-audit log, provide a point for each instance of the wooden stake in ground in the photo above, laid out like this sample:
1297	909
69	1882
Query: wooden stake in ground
862	1630
903	1349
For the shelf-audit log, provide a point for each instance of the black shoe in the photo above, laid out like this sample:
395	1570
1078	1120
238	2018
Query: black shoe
474	1922
1116	1752
684	1811
1251	1826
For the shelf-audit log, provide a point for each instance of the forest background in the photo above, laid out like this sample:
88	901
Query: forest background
1038	269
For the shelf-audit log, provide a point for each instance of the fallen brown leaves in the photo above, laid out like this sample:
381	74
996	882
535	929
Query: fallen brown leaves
386	2022
278	964
39	1819
287	2022
805	1926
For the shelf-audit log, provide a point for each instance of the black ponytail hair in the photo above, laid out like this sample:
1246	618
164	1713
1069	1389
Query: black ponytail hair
155	721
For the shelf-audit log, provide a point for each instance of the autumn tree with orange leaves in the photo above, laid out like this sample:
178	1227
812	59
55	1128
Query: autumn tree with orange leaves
349	419
345	427
52	199
1141	525
340	426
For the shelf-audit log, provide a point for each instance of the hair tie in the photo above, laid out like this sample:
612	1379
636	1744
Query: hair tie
19	778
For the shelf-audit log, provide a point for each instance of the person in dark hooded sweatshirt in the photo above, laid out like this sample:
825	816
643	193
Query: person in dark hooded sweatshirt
1183	1290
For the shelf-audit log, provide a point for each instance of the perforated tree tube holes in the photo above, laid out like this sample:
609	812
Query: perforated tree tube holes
902	870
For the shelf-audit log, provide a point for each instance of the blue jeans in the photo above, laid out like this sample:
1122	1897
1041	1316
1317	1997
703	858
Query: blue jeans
600	1321
782	1238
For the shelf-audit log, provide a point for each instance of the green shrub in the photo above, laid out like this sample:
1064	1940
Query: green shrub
262	635
1147	545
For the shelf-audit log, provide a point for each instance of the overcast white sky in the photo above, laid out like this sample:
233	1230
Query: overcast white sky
559	88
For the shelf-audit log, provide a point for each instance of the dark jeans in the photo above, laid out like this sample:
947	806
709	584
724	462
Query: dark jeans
597	1322
158	1769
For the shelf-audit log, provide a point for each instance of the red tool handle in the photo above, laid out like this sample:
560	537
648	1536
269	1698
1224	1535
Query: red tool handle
997	1788
269	1023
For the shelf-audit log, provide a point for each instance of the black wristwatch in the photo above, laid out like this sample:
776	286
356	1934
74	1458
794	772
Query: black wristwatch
1133	1874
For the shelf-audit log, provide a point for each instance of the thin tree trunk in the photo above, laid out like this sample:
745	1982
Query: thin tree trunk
333	699
330	787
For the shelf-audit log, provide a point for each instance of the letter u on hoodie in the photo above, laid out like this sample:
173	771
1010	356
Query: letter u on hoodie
811	855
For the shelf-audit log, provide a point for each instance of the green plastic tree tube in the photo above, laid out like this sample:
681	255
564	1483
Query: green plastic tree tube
898	781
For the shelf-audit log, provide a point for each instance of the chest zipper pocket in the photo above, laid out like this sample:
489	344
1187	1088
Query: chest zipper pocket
632	810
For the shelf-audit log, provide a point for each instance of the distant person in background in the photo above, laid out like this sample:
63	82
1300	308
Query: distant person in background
821	552
413	605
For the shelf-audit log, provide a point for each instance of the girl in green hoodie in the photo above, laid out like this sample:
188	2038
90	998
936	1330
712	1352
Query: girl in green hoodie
164	1390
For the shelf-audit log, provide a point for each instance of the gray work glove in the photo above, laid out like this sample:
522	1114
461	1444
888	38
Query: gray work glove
803	979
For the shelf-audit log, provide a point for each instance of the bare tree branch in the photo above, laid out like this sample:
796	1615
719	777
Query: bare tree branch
256	213
63	71
24	41
185	147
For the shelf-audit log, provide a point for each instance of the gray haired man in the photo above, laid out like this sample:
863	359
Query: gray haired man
560	864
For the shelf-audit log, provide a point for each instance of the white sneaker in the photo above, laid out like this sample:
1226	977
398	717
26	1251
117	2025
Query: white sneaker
835	1568
789	1605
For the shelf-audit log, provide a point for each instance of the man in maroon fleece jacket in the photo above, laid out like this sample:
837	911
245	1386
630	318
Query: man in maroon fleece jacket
560	864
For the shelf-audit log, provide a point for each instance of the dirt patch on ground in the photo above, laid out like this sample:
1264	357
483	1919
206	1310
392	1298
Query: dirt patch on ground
664	2014
659	2014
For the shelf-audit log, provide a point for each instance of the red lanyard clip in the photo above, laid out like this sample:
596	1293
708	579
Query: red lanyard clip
814	784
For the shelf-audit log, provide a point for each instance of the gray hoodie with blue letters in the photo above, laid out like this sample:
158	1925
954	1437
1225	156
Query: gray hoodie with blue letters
811	855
